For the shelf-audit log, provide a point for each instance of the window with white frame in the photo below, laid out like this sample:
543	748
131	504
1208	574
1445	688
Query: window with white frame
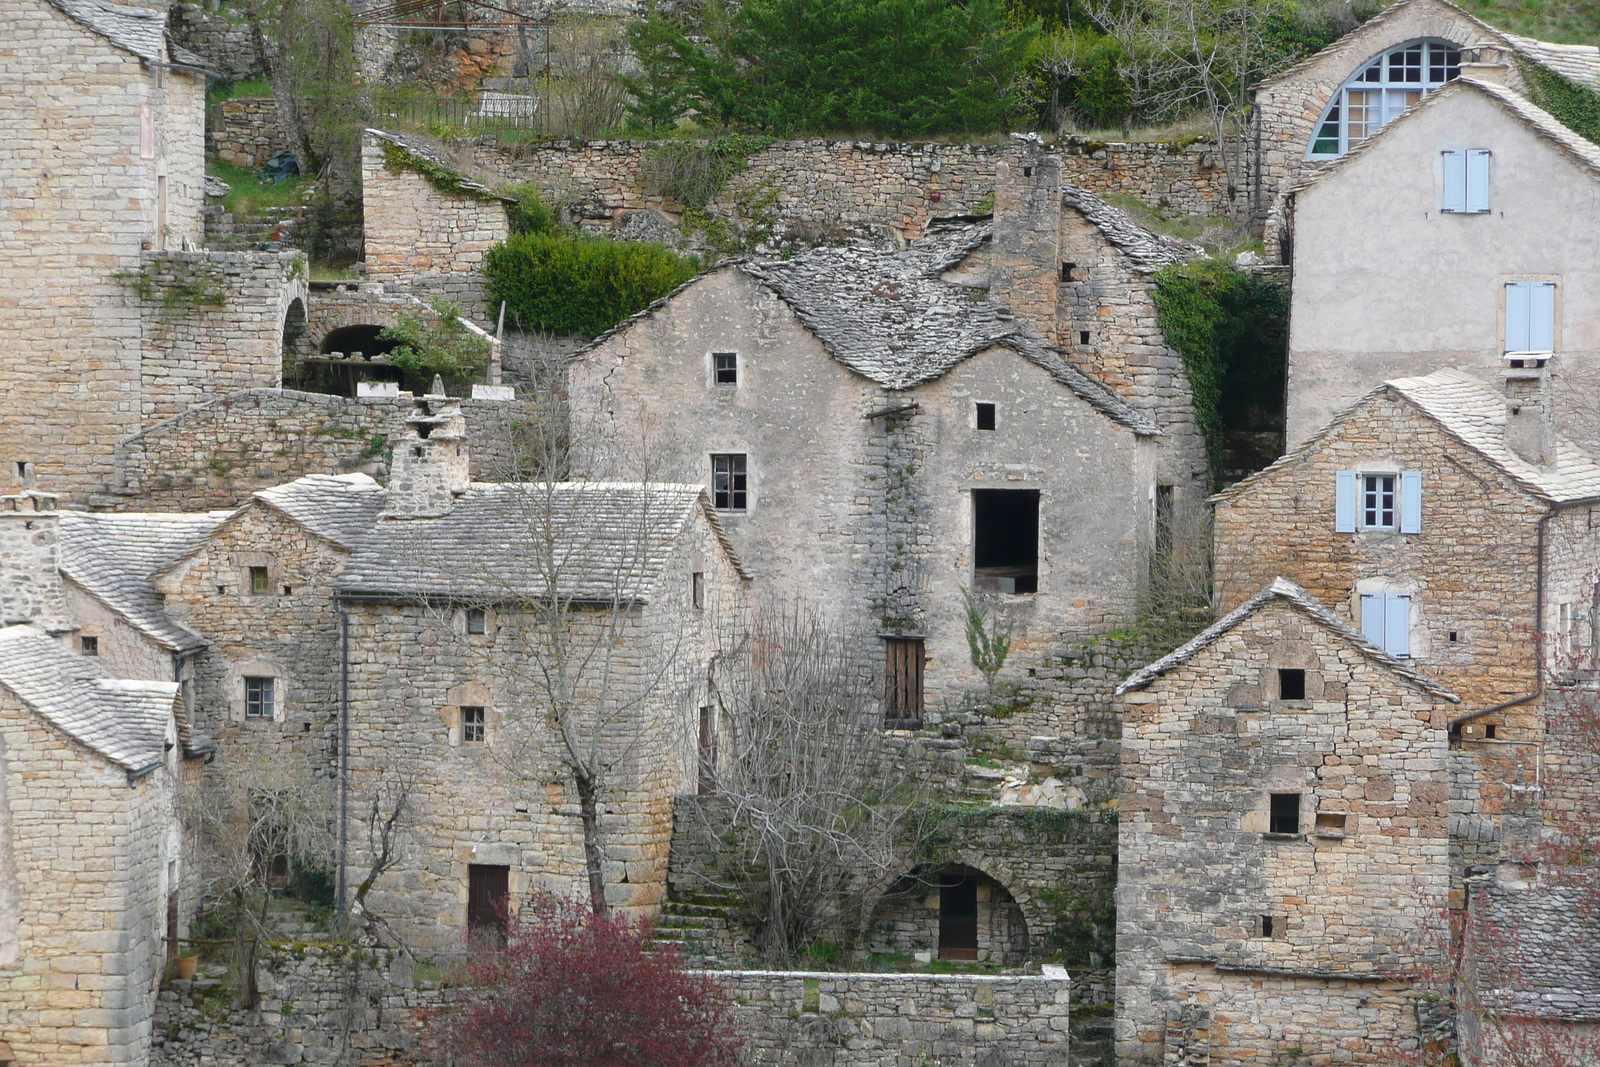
1530	316
1466	181
1379	91
1378	500
1386	621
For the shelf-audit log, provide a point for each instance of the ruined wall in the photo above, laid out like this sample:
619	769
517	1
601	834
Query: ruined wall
244	131
30	587
226	44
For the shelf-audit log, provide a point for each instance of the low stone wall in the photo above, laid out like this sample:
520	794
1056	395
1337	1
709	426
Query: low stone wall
900	1020
244	131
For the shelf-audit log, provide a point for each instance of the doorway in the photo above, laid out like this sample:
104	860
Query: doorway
488	887
958	917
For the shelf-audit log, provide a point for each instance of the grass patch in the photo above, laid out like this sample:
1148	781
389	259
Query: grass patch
336	274
248	193
227	90
1220	237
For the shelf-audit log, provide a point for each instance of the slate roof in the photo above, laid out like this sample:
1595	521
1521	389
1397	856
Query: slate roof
1306	604
338	507
1147	252
425	151
1579	62
139	30
1474	414
114	557
1537	950
610	541
126	722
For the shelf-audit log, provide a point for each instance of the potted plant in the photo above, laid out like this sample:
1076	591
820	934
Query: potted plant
186	964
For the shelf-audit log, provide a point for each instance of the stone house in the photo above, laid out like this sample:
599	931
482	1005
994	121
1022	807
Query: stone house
1283	846
1473	168
1323	107
85	902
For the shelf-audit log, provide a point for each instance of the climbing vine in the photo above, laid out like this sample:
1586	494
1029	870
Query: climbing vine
176	285
694	172
1575	106
443	178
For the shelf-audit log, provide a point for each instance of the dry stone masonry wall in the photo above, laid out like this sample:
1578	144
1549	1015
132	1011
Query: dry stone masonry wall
244	131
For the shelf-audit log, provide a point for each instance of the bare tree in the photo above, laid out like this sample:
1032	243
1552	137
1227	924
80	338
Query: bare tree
1175	594
1150	63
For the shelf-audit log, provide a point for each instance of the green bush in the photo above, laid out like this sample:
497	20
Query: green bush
1573	105
580	285
437	344
528	214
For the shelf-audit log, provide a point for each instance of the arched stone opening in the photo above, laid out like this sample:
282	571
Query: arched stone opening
345	358
950	911
294	330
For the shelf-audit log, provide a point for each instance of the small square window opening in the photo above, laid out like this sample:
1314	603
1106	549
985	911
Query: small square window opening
1377	501
1083	337
1066	271
288	590
725	368
1490	732
697	589
260	582
1330	824
260	698
477	621
729	482
985	416
1454	637
1291	683
90	646
474	725
1266	926
1285	813
1027	172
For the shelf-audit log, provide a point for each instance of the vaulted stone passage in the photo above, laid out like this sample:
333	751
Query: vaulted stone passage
951	912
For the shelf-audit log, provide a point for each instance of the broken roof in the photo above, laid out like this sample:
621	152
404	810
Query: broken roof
115	556
336	507
1306	604
429	154
141	31
124	721
1474	414
1147	252
592	542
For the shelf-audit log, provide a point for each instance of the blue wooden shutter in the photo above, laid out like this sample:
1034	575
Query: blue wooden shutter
1397	625
1411	502
1477	181
1455	181
1372	617
1344	505
1517	317
1541	316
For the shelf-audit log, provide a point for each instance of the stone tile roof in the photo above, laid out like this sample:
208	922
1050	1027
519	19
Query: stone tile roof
1147	252
610	541
1537	950
427	152
126	722
338	507
1579	62
1306	604
889	317
115	556
139	30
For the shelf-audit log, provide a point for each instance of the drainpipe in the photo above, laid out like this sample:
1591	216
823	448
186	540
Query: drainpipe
344	751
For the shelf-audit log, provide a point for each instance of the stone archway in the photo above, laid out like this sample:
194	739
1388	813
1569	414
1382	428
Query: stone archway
950	910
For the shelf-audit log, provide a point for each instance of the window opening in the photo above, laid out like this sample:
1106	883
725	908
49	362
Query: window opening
985	416
1386	621
1083	337
1005	535
488	889
1380	91
1377	501
1066	271
260	582
1027	172
697	589
474	726
729	482
725	368
1453	637
260	697
1490	732
477	621
288	590
958	917
89	646
1285	813
1266	926
903	681
707	782
1164	500
1291	683
1330	824
1466	181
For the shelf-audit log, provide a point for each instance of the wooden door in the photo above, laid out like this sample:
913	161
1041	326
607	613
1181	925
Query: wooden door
488	886
958	917
708	751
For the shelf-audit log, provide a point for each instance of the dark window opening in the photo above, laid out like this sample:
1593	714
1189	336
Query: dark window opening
1083	337
477	621
172	915
416	451
707	783
488	889
729	482
1266	926
260	697
22	469
90	646
1005	536
474	726
697	589
985	416
902	700
1291	683
1066	271
1453	637
1285	813
725	368
222	590
1027	172
1490	732
260	583
958	917
1163	522
288	590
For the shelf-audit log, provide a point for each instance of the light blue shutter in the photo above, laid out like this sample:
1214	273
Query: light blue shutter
1397	625
1541	317
1455	181
1517	317
1372	617
1410	501
1477	180
1344	504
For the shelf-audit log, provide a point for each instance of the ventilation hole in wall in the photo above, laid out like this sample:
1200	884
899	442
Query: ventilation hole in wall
305	728
1266	926
1490	732
222	590
288	590
1027	172
1452	636
1066	271
1083	337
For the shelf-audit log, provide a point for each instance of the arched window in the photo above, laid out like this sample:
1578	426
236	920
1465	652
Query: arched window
1381	90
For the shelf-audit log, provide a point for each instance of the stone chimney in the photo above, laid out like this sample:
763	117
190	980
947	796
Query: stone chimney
30	575
1530	422
429	468
1026	251
1486	63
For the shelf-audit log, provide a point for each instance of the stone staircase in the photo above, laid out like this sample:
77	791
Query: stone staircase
703	927
225	232
289	920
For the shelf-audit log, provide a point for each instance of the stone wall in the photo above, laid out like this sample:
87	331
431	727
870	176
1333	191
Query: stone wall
225	43
30	586
244	131
873	1020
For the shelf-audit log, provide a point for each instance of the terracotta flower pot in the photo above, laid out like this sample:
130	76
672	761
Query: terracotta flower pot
186	966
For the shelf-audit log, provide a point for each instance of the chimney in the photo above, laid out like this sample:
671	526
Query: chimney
1486	63
30	575
1530	422
429	468
1026	251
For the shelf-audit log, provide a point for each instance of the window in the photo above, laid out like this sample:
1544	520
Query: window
260	582
1285	813
1066	271
1164	513
260	698
1291	683
707	779
1381	90
1386	621
725	368
1005	540
729	482
474	726
985	416
488	889
1530	316
477	621
903	681
1273	926
1466	181
697	589
89	646
1330	824
1083	337
1382	501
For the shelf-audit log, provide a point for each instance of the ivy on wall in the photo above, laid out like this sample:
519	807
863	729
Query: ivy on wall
446	179
1573	105
694	172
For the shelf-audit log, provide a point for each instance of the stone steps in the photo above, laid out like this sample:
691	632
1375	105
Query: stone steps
700	926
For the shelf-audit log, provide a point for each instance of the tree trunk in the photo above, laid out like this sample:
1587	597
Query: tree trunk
589	812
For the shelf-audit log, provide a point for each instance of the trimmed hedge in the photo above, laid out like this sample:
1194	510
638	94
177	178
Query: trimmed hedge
581	285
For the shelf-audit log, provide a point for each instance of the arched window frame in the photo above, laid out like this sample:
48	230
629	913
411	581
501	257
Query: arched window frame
1388	83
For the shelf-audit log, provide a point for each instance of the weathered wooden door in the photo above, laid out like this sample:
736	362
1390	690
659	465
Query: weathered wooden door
958	917
488	886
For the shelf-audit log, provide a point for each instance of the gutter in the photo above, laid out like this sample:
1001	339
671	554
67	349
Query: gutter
1459	721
